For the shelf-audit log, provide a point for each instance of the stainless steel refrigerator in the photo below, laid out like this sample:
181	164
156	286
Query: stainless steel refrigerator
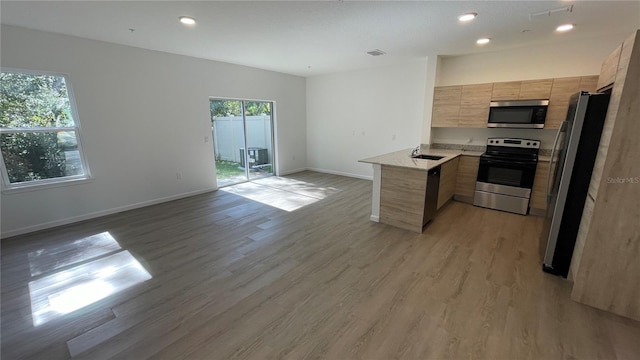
573	155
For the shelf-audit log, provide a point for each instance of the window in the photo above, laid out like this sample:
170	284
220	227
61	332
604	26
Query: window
39	132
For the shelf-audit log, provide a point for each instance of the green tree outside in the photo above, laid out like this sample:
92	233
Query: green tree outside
222	108
35	101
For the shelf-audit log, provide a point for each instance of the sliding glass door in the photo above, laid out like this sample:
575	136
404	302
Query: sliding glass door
242	139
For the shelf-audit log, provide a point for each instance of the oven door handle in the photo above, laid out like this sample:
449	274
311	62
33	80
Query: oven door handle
508	162
553	151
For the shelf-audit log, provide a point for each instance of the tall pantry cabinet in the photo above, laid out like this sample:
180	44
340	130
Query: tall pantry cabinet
606	264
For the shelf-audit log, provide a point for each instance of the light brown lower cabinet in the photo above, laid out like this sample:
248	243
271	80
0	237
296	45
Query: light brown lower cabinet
403	194
538	202
448	174
466	178
402	197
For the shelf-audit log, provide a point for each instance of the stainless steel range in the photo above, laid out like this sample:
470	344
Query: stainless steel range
506	173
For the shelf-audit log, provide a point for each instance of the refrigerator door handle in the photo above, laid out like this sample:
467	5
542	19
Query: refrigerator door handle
553	151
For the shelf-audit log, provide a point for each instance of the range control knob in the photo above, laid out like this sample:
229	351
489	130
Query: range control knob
528	143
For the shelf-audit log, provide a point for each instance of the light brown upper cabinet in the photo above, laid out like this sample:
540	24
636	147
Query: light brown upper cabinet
506	90
446	106
535	89
522	90
589	83
468	105
474	106
561	91
559	100
609	68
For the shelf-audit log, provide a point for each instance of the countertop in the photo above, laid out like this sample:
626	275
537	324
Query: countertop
403	158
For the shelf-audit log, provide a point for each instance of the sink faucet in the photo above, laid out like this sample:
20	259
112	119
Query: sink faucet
416	151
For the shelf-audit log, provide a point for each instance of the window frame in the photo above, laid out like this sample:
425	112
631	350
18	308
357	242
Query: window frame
7	186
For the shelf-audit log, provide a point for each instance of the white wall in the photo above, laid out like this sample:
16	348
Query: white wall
144	116
433	65
359	114
576	58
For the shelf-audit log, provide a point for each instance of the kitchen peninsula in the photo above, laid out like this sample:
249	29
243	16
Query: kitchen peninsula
400	185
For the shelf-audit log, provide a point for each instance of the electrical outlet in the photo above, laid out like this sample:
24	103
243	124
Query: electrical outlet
206	139
178	175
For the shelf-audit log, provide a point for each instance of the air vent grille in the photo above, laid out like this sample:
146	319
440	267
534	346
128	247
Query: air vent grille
376	52
547	13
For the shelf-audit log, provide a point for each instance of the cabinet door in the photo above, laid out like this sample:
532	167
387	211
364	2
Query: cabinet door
402	195
446	106
539	191
609	68
474	106
561	91
467	175
535	89
447	181
506	90
589	83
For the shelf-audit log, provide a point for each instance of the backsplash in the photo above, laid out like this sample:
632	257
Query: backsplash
480	148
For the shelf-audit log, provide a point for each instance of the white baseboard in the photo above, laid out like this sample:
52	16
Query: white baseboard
74	219
289	172
358	176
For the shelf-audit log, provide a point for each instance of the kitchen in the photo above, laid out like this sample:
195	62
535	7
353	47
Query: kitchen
410	186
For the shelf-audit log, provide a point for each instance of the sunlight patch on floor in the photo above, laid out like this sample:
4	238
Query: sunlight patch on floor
71	252
103	268
283	193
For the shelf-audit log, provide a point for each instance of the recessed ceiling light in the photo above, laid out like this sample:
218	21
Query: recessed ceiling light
565	27
483	41
187	20
467	16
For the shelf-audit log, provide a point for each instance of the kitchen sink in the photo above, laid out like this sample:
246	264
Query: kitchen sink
427	157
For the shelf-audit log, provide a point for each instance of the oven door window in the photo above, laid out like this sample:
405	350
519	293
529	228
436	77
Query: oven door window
510	173
505	176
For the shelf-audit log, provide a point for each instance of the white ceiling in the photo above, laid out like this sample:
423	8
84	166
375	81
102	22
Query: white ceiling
317	37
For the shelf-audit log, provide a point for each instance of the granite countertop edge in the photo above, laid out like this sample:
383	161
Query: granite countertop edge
403	158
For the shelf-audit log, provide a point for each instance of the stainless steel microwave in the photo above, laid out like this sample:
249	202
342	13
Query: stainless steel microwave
523	114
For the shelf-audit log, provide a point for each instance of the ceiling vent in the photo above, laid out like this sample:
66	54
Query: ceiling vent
376	52
546	13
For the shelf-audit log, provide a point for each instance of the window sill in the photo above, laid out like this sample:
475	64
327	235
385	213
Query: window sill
43	186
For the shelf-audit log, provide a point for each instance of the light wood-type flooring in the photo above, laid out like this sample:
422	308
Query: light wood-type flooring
220	276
